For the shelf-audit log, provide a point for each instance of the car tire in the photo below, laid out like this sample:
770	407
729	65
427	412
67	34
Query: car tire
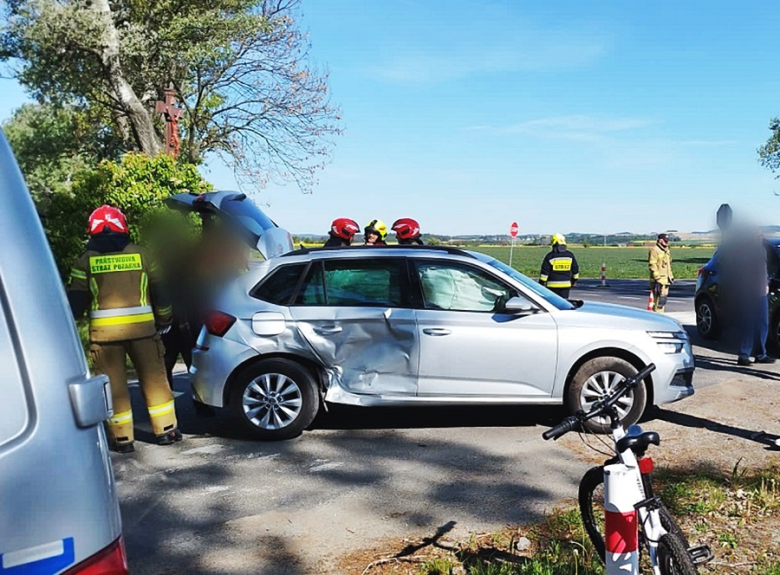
274	399
594	379
707	322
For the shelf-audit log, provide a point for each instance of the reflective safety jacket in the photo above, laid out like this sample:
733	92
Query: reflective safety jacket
124	296
559	269
659	260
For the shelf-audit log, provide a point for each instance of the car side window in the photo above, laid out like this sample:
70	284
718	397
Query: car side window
457	287
279	287
354	282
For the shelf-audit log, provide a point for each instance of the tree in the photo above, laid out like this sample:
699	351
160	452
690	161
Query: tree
137	185
769	153
53	143
239	66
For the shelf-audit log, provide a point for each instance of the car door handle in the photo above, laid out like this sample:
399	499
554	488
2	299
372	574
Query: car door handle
330	330
436	331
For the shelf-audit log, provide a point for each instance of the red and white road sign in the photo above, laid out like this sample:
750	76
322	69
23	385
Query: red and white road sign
513	230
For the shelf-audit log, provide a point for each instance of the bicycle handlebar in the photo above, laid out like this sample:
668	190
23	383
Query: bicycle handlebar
600	407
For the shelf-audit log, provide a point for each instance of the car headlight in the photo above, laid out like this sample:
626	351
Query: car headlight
670	341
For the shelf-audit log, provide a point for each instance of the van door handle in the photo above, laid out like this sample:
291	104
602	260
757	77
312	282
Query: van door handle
436	331
329	330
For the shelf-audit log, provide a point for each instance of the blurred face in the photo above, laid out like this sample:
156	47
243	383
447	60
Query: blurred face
663	241
372	238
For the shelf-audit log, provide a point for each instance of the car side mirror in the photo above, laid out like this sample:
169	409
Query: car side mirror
519	306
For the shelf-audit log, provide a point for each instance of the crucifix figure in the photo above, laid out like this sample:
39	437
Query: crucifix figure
172	115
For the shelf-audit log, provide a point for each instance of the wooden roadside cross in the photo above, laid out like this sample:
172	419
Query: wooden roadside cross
172	116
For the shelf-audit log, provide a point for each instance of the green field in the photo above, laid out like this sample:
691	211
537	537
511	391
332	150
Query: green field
622	263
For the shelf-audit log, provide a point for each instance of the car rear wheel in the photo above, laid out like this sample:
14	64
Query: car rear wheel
595	380
706	321
275	399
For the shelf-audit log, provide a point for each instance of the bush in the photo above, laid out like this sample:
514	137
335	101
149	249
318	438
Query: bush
137	185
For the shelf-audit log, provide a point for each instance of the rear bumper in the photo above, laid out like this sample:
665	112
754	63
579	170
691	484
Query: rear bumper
211	368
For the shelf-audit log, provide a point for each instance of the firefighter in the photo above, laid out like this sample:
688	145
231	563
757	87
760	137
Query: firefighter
342	230
120	285
407	231
375	233
659	260
560	271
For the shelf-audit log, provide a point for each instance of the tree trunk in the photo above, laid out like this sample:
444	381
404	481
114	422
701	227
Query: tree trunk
140	119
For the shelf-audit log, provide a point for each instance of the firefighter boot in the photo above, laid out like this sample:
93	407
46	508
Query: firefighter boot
170	437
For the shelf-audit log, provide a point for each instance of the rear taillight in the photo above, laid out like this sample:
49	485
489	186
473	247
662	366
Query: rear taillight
646	465
110	561
217	322
701	271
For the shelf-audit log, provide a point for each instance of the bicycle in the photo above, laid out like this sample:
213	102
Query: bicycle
631	515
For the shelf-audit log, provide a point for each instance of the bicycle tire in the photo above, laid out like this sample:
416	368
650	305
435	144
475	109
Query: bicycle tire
673	556
591	502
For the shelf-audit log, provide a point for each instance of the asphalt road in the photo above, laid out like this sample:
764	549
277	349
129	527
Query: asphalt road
220	503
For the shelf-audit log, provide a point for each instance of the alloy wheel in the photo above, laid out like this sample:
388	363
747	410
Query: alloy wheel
600	385
272	401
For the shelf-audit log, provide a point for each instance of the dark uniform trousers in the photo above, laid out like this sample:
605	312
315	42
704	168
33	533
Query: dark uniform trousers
147	357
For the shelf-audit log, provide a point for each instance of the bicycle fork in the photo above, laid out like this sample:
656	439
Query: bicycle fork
622	490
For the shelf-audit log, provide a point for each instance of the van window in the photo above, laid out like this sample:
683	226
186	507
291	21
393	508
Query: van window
13	407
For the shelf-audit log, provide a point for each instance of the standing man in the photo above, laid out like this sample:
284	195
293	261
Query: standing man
560	270
407	232
375	233
117	281
342	230
745	290
659	260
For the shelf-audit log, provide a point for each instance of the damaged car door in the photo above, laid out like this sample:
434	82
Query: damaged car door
355	315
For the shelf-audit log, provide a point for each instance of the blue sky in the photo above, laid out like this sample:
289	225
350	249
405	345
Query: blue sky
599	116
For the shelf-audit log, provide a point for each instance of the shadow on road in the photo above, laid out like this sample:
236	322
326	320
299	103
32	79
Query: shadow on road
696	422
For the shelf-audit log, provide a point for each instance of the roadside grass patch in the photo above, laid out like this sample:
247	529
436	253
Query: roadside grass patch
737	514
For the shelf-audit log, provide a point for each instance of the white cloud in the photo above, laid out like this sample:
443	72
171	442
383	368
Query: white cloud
575	127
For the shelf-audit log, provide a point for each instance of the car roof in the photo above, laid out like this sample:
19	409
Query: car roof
383	250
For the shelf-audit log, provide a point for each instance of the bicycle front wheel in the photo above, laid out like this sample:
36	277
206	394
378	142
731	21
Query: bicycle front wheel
591	503
673	556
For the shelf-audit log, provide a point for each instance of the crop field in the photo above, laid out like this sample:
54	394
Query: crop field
622	263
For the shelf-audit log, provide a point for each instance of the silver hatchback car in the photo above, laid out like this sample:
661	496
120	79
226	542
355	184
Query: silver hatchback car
411	325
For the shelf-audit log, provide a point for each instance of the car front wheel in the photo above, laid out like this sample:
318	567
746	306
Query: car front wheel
595	380
274	399
706	321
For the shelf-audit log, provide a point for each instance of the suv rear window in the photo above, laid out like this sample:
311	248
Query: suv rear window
278	288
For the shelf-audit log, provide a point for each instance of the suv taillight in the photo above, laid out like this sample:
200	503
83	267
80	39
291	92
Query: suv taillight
701	271
217	322
109	561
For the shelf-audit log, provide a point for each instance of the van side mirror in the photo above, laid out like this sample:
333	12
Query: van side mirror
520	306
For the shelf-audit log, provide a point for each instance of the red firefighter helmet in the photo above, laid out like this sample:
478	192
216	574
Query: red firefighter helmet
406	229
107	217
344	228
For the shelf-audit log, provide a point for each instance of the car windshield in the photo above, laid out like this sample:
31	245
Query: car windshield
248	214
527	282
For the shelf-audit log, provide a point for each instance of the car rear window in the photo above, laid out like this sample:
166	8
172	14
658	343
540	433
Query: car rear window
354	283
279	287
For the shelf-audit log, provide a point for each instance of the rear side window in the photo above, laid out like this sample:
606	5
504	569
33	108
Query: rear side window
354	283
278	288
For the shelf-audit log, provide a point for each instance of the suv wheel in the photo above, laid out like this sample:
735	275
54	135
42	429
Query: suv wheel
275	399
706	321
597	378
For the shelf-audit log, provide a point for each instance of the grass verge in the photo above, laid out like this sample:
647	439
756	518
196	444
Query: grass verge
737	514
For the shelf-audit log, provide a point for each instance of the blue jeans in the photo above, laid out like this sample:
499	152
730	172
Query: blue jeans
754	328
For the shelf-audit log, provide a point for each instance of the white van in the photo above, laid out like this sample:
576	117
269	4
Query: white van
59	512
